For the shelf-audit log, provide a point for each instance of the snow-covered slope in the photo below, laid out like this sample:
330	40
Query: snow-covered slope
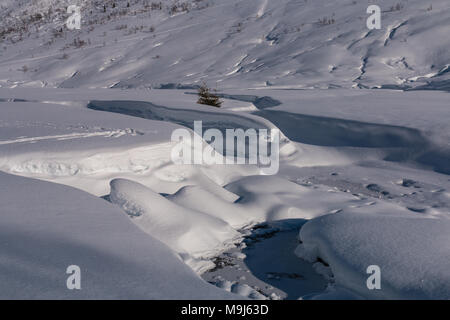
228	43
45	228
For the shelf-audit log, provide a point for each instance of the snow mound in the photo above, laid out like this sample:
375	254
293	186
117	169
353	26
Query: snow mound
45	227
261	199
411	251
193	197
271	198
186	231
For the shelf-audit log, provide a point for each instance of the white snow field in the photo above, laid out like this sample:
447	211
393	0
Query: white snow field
87	178
236	43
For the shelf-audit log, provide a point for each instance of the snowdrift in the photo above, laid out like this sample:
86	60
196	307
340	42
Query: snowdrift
412	252
45	227
185	231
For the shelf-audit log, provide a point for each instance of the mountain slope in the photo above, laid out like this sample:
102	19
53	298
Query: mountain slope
231	43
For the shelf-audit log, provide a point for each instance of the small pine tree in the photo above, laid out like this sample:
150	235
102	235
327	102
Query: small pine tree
207	97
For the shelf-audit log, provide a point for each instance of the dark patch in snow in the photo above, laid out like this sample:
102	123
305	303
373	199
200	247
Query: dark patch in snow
401	144
376	188
407	183
266	263
418	210
178	86
279	275
324	131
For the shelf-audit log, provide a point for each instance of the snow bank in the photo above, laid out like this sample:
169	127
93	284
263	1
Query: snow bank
185	231
199	199
273	198
263	198
44	228
412	252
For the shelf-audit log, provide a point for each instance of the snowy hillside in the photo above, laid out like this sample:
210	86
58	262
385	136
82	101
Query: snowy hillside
359	178
231	43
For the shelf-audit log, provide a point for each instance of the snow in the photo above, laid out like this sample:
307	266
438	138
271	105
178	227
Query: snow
267	264
202	212
398	242
197	234
232	43
86	175
47	227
